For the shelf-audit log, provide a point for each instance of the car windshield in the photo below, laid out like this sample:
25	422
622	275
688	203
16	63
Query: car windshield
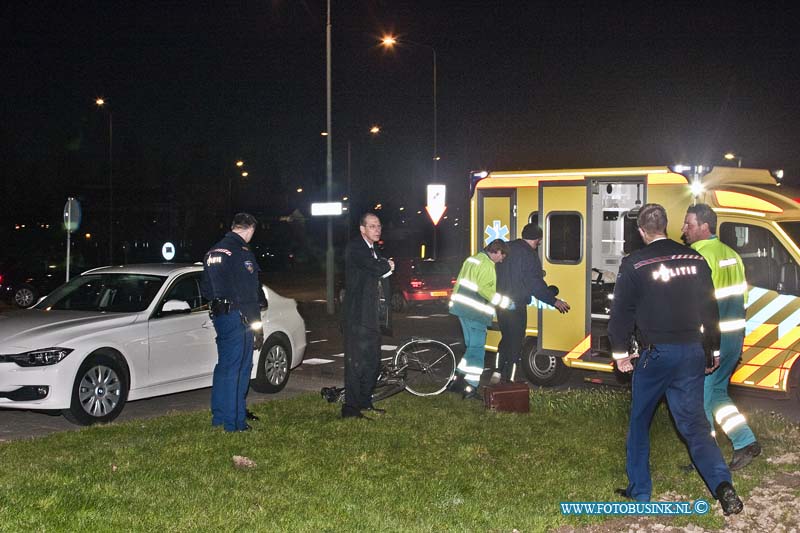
116	293
430	268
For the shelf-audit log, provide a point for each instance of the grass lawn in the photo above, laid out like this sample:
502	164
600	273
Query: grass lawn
430	464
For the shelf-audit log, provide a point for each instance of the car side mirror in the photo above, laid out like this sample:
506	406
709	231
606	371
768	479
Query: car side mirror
175	306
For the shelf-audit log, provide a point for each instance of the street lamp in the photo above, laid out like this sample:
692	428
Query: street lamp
100	102
239	164
389	42
375	130
330	304
730	156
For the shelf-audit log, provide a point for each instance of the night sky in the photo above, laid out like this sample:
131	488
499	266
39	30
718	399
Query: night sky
194	86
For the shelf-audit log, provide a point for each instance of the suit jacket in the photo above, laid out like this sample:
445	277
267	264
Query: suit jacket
363	277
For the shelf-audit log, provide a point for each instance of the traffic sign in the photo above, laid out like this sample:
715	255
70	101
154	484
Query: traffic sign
321	209
168	251
436	204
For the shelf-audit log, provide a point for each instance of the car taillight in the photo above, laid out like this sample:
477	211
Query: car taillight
416	283
1	279
452	281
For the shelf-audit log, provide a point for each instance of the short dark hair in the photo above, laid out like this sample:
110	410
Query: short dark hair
497	245
243	221
363	220
704	215
653	219
532	232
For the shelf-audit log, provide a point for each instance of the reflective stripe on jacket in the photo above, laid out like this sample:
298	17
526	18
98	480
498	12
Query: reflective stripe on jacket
730	286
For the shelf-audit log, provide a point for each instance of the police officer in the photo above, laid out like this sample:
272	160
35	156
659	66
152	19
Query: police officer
665	289
473	301
727	272
230	283
519	277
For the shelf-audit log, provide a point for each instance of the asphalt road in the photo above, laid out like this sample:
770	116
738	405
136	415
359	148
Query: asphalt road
323	366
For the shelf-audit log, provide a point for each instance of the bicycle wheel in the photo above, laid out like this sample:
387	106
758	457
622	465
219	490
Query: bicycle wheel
427	366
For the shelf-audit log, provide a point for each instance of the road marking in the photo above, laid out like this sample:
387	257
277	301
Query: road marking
319	301
416	317
336	355
317	361
320	340
388	347
440	315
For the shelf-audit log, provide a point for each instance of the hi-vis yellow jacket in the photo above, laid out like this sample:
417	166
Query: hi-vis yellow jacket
474	295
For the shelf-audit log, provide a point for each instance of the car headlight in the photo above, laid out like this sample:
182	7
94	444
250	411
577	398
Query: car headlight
43	357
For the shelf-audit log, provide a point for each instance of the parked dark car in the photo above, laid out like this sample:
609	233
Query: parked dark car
23	288
415	281
421	281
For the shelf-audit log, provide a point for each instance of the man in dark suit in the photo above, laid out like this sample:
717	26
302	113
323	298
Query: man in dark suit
366	274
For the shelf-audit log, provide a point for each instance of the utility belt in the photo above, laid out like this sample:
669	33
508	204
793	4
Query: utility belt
221	306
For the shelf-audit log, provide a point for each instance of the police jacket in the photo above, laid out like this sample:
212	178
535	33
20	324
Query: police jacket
730	286
230	272
520	275
474	295
366	277
666	290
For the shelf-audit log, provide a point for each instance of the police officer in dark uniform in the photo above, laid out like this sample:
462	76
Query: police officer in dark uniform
230	283
665	289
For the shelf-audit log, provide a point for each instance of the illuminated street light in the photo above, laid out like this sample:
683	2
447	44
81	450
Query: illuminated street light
299	189
389	41
730	156
101	103
375	129
239	164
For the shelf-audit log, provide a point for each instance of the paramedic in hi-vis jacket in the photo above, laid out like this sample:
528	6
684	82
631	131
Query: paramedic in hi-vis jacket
473	301
665	290
730	288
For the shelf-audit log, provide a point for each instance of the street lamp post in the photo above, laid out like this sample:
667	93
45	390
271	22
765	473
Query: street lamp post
239	164
389	42
100	102
330	304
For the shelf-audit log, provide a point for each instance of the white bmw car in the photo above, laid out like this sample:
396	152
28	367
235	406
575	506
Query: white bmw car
121	333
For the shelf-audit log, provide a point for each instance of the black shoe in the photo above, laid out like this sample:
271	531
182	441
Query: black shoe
471	393
623	493
376	410
731	503
456	384
251	415
742	458
352	412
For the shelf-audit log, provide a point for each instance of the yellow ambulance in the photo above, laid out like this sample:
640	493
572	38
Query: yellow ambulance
589	222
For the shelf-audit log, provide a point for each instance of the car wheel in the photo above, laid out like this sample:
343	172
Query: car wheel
25	296
541	369
273	366
99	392
399	303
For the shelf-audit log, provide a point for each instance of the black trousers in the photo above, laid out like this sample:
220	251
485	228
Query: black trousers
512	326
362	361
